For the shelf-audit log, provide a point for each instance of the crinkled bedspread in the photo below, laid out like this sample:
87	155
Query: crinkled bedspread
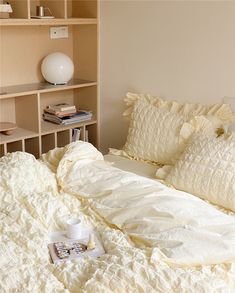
37	197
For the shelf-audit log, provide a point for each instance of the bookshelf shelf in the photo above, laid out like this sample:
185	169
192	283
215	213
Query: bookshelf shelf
42	87
18	134
24	94
47	22
48	127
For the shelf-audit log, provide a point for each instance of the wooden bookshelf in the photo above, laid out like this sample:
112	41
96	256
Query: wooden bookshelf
23	91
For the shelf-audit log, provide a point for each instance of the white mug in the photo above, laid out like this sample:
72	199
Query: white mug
74	228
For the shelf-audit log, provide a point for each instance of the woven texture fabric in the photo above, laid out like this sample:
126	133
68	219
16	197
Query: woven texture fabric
148	137
207	169
160	129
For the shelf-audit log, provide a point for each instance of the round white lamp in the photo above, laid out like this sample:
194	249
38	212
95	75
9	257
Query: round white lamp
57	68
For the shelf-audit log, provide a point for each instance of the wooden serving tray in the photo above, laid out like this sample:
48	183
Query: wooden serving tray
7	127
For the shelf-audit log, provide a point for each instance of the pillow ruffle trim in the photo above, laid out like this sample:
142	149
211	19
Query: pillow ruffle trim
221	111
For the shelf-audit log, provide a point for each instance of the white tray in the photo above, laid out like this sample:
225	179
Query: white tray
60	236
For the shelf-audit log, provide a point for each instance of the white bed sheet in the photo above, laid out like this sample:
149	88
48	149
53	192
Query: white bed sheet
136	167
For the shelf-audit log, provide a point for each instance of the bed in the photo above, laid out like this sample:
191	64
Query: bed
156	238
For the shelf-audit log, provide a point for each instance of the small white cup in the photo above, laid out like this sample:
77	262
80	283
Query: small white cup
74	228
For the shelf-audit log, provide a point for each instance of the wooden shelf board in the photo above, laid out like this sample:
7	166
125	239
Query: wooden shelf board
48	127
44	87
54	21
18	134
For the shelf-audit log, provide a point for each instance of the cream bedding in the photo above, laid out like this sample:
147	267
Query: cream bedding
35	200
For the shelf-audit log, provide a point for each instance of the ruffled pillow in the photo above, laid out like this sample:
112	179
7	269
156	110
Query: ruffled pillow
160	129
206	169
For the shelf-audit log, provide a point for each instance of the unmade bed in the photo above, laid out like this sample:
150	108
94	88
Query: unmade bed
157	239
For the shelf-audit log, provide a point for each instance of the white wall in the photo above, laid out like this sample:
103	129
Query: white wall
181	50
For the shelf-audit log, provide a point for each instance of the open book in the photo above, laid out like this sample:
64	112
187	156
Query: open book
63	249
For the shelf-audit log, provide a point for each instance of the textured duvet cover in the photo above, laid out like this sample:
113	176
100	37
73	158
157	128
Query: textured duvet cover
156	239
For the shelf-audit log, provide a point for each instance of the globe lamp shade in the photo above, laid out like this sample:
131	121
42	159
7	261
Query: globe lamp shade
57	68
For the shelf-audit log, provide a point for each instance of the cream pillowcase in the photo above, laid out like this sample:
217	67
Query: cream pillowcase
207	169
160	129
154	134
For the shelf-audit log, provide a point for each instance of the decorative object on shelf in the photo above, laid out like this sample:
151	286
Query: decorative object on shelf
41	13
5	9
57	68
7	127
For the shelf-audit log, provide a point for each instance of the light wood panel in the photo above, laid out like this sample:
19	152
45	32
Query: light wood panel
33	44
37	88
46	22
7	110
85	51
26	108
20	9
82	8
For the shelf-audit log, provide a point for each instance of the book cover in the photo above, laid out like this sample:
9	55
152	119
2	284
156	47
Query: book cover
61	107
60	113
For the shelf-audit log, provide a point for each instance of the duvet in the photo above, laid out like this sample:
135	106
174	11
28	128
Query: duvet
156	239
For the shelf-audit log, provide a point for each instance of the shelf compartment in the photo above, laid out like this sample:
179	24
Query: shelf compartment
31	146
23	111
63	138
51	98
15	146
57	7
48	127
2	153
81	8
48	142
42	87
20	9
86	99
92	134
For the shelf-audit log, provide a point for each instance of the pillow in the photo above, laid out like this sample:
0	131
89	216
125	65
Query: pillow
159	129
207	169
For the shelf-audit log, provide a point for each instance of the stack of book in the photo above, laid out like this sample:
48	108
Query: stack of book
65	114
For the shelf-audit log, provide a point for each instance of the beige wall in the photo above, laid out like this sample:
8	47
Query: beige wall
182	50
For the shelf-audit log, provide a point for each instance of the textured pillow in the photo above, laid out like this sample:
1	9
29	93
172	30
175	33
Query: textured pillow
154	133
159	129
207	169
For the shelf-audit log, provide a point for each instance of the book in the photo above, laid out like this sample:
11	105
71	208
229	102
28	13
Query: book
63	249
60	113
61	107
79	116
76	134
